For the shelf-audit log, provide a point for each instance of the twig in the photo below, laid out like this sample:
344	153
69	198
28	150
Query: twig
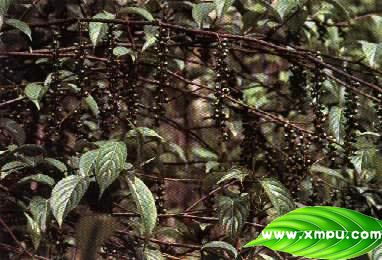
8	102
196	203
15	238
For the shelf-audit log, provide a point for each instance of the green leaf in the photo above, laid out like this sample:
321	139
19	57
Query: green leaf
63	75
32	161
257	6
211	165
256	96
121	51
222	6
205	154
278	195
336	123
98	30
176	149
233	213
12	167
221	245
364	159
377	253
34	149
92	105
372	52
169	233
91	125
20	25
340	7
35	92
200	12
150	254
150	36
14	129
57	164
66	195
34	231
137	10
74	87
109	163
145	132
42	61
4	5
39	208
330	172
286	7
40	178
325	219
87	163
145	202
234	174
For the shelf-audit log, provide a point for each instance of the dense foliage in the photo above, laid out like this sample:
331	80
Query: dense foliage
178	129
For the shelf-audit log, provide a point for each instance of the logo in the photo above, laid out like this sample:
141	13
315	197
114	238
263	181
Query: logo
322	232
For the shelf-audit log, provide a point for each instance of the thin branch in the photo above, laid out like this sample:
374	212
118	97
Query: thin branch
11	101
15	238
